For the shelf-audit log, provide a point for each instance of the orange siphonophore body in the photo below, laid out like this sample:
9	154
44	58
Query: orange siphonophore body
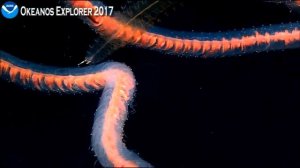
197	44
275	37
118	84
117	81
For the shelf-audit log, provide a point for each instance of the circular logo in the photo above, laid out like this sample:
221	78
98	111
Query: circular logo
9	10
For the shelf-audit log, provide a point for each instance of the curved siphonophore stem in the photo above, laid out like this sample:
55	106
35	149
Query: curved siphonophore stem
118	84
117	81
274	37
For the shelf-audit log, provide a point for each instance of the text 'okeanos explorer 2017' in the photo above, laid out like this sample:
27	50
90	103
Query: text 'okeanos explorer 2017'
63	11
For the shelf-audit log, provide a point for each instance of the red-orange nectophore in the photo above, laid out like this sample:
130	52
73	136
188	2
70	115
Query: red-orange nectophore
116	29
118	83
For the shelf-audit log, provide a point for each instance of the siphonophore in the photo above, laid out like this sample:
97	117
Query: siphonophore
117	81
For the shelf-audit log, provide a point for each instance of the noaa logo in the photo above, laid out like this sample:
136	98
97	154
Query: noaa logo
9	10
